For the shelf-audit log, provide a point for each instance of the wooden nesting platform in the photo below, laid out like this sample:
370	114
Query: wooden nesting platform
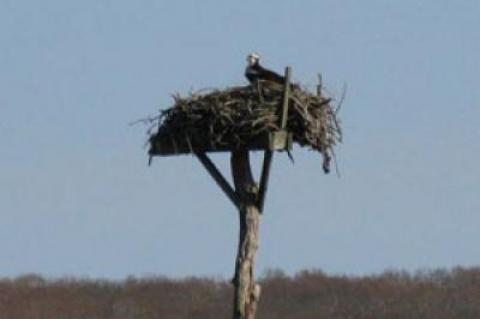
263	116
168	145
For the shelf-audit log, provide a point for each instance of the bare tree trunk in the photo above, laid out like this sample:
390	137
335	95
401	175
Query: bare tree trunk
247	292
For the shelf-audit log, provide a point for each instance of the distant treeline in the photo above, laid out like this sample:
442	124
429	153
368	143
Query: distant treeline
438	294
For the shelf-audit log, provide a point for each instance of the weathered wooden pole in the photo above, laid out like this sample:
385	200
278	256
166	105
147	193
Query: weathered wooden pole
248	196
251	200
247	292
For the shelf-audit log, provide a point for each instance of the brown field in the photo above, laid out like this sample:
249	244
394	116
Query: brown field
436	294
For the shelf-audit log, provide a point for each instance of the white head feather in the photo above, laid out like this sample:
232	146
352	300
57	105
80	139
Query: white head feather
253	58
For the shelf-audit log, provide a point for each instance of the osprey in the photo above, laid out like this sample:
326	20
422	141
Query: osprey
255	72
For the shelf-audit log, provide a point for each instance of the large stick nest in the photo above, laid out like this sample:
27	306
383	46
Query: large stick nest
233	117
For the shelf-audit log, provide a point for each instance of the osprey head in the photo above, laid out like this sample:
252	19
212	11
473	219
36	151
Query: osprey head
253	58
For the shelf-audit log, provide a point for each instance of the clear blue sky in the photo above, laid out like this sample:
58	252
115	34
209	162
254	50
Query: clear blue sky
77	197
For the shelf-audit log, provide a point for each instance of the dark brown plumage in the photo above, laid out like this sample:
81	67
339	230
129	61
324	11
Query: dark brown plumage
256	72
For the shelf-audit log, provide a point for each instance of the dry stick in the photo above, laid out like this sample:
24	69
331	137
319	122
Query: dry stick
319	86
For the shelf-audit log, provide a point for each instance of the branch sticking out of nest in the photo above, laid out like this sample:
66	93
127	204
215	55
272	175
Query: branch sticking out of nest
233	117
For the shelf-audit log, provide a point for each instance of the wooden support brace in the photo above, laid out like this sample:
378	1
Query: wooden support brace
218	177
267	163
268	155
286	92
